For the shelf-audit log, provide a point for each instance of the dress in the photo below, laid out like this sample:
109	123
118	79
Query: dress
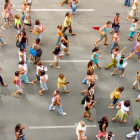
95	60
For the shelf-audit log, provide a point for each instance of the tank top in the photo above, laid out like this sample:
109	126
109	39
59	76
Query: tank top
37	69
24	56
24	68
39	26
25	20
73	3
106	30
79	127
134	6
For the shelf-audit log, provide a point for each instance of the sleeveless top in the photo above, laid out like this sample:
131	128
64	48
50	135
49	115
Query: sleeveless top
24	56
66	18
106	30
79	127
37	69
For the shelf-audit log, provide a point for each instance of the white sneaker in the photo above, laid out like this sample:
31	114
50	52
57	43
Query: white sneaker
64	114
131	135
97	138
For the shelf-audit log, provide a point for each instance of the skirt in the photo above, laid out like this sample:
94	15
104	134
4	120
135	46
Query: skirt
121	115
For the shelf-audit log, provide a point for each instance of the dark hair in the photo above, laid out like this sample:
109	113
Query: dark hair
136	20
21	49
59	26
88	99
92	84
39	63
37	22
108	22
109	135
65	36
17	127
37	40
21	62
90	63
67	14
42	73
105	119
24	33
95	49
127	103
5	5
121	89
117	49
16	73
117	14
121	61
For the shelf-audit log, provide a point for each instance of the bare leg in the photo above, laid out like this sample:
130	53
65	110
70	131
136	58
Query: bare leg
114	119
96	43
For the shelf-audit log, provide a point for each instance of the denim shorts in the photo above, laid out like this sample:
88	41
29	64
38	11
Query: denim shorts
120	68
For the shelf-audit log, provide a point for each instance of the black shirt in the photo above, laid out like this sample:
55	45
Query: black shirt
57	50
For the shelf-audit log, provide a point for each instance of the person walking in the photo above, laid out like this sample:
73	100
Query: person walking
19	132
22	55
24	7
137	81
136	129
17	23
73	5
123	112
59	34
56	102
67	23
116	96
104	31
43	81
116	24
81	131
103	124
17	82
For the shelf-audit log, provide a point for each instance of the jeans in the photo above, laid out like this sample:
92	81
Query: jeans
58	39
85	80
131	34
127	3
73	9
24	78
23	45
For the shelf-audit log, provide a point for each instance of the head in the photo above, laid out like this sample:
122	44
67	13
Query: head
67	14
121	59
105	119
17	16
25	3
118	14
39	63
65	36
23	32
59	27
117	32
17	127
120	89
17	73
90	63
88	99
37	22
95	49
82	123
127	103
42	73
117	48
136	20
5	6
21	63
61	76
108	23
92	84
37	41
56	92
110	134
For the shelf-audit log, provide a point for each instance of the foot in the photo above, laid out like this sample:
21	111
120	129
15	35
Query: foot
111	107
64	114
97	137
3	28
130	39
123	121
52	109
66	91
90	119
113	120
5	43
99	67
106	68
106	43
122	75
112	74
5	85
85	116
96	44
51	65
15	95
40	93
73	34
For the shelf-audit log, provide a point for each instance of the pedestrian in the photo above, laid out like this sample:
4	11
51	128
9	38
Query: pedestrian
1	80
127	3
24	7
73	5
9	8
115	96
95	56
90	67
81	131
57	57
19	132
115	55
59	33
103	124
1	40
43	81
116	24
136	128
56	102
137	81
62	83
115	39
5	15
29	2
89	104
67	24
64	2
27	20
123	112
65	45
17	82
17	23
133	28
134	10
38	52
122	63
23	69
38	29
104	31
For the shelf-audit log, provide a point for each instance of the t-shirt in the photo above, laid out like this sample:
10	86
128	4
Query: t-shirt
57	50
120	65
62	81
124	109
17	22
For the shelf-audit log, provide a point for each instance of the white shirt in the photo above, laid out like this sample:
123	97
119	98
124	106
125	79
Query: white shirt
124	109
79	127
24	56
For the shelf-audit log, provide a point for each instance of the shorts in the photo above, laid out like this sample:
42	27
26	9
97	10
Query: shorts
37	77
120	68
121	115
63	46
101	37
115	101
44	86
132	12
19	88
56	59
27	24
7	19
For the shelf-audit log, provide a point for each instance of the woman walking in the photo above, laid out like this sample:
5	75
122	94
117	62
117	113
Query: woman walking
17	82
73	5
17	23
19	132
56	102
104	31
59	34
103	124
43	81
123	112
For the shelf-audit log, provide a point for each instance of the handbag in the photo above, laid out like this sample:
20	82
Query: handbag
18	44
35	32
33	51
102	33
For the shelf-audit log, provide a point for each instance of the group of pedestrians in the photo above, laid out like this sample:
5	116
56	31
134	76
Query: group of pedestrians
62	49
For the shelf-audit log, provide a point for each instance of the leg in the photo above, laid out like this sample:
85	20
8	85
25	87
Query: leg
64	30
25	78
60	110
115	118
85	80
114	72
111	64
105	43
51	108
122	73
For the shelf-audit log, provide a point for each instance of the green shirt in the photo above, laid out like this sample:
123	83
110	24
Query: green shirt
137	122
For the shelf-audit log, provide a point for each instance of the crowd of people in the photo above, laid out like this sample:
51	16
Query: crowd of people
119	61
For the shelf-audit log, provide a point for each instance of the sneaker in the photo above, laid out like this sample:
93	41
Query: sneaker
64	114
112	74
97	137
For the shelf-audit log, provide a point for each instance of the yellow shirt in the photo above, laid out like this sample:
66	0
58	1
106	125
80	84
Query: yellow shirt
116	95
65	24
62	81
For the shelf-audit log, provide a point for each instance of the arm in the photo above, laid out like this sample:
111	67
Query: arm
103	27
136	25
104	126
22	57
122	50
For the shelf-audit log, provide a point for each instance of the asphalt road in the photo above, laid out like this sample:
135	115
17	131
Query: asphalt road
31	109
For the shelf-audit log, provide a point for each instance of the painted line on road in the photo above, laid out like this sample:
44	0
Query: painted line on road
66	61
60	127
59	10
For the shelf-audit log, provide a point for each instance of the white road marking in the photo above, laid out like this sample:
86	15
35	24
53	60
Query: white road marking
65	61
60	127
59	10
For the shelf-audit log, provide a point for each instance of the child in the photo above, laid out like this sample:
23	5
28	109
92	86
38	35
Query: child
61	83
137	81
